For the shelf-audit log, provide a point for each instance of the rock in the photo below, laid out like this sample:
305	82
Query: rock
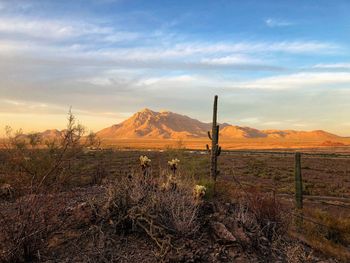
241	235
222	233
6	191
83	213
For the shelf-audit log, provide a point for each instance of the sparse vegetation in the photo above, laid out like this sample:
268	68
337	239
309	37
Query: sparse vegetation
73	201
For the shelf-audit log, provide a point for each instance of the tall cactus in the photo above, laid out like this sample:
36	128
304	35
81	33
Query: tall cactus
214	137
298	182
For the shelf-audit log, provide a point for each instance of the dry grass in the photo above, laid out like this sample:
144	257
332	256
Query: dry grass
270	214
330	236
161	210
26	225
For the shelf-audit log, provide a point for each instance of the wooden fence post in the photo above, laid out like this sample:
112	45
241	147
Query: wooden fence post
298	192
298	182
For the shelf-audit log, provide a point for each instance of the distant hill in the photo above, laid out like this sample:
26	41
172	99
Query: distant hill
169	125
51	134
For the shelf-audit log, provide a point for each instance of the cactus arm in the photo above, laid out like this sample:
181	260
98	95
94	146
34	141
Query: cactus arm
208	149
218	151
217	134
209	136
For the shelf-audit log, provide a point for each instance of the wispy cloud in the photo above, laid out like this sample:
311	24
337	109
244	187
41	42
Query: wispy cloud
250	120
166	80
24	106
231	60
273	22
299	81
61	29
332	67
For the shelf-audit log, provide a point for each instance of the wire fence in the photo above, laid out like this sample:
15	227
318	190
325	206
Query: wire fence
341	203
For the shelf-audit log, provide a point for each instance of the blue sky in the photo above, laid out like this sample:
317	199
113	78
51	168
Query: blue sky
274	64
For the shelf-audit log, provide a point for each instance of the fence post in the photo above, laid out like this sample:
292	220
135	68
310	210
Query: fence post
298	192
298	182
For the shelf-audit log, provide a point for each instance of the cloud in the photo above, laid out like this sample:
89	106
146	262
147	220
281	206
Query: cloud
332	67
24	106
166	80
253	47
272	123
298	81
17	5
271	22
65	44
231	60
51	29
250	120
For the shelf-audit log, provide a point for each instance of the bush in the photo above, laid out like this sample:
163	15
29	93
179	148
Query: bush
32	164
26	226
174	208
146	204
332	228
269	214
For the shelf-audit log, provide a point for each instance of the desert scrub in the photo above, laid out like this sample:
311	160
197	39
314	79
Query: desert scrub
269	214
141	203
26	226
331	235
258	168
335	229
33	164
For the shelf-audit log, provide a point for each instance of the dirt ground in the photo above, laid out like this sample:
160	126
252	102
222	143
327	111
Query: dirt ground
326	186
323	175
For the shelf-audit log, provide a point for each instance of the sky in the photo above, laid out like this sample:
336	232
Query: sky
274	64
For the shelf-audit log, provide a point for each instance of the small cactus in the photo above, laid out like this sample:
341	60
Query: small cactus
169	184
145	161
173	164
145	164
199	191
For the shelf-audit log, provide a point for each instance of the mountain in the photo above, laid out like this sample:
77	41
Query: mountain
232	131
51	134
151	124
169	125
291	134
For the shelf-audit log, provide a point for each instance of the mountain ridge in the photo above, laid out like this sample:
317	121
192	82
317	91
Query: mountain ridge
169	125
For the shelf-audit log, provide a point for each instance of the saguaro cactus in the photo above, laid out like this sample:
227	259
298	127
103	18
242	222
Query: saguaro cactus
298	182
214	137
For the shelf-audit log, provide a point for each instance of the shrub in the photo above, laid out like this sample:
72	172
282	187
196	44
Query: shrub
159	212
33	164
269	214
26	225
332	228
